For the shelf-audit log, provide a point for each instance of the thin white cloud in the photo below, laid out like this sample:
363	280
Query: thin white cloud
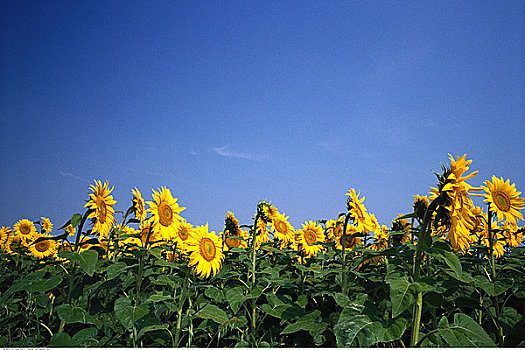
223	152
68	174
193	153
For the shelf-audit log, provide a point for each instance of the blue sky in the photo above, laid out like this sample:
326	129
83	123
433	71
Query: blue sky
228	103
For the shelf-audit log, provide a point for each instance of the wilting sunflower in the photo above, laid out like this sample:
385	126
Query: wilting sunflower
101	203
26	230
46	224
14	246
165	213
6	235
43	249
205	251
503	199
498	241
138	205
420	206
513	238
283	231
380	239
308	237
357	211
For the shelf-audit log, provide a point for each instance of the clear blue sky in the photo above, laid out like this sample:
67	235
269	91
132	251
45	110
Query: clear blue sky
230	102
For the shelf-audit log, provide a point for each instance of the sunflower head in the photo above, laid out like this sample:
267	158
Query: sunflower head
70	230
138	205
308	238
183	232
282	229
420	205
205	252
46	225
266	211
44	248
6	236
26	230
101	206
504	200
165	213
352	238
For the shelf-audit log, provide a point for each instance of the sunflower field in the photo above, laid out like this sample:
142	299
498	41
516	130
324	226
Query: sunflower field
448	274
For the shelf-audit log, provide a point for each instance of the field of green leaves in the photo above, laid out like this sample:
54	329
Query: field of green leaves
448	274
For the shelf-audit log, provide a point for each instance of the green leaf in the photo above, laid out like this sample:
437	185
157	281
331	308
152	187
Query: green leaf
62	340
76	219
87	260
86	337
362	331
73	314
492	288
152	328
128	314
400	295
212	312
452	261
341	299
465	332
235	298
114	270
43	285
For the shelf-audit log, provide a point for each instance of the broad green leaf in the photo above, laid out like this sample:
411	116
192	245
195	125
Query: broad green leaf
43	285
362	331
212	312
341	299
155	298
152	328
465	332
62	340
87	260
114	270
235	298
76	219
492	288
400	295
300	325
73	314
86	337
128	314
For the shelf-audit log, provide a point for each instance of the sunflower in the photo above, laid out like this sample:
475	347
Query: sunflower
205	251
511	234
184	231
47	226
420	206
351	240
283	231
308	237
26	230
43	249
498	240
503	199
70	230
14	246
401	225
101	204
232	229
6	236
138	205
165	213
380	239
357	211
262	233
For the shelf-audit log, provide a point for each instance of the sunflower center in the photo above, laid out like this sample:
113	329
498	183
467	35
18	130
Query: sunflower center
310	237
42	246
102	210
183	234
502	201
280	226
25	229
232	242
207	249
165	214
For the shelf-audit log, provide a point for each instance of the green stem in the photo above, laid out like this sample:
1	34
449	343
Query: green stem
493	268
418	305
182	300
254	261
343	263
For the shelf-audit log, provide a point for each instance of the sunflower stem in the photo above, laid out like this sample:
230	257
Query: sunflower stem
493	268
182	300
343	264
418	305
254	261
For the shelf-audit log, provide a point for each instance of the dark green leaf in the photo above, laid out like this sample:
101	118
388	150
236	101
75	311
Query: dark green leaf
212	312
73	314
128	314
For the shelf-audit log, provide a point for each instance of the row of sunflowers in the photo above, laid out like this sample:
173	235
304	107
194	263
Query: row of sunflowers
150	278
456	219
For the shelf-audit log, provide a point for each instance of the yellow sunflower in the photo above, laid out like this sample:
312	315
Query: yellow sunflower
165	213
101	203
510	233
358	212
283	231
205	251
503	199
380	239
6	236
138	205
262	234
14	246
46	224
498	241
307	238
43	249
26	230
351	242
70	230
232	230
183	232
